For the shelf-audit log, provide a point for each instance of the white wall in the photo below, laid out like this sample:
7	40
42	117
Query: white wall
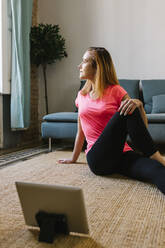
132	30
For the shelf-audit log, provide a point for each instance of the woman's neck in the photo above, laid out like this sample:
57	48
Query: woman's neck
93	87
92	92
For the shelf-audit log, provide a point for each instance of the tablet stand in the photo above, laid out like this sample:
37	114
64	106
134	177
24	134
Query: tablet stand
51	224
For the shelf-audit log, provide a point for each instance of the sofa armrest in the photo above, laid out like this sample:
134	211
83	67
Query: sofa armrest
156	118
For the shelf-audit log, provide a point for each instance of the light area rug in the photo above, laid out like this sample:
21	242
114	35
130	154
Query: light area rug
121	212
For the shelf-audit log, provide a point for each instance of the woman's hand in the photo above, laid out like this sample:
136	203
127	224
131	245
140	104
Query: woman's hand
66	161
129	105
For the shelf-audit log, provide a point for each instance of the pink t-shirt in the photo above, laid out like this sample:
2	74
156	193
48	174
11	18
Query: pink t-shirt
95	114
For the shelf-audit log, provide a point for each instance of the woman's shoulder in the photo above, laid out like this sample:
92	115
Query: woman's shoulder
80	95
117	86
114	88
116	91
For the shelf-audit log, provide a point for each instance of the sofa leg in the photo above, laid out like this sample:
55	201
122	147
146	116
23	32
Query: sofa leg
50	145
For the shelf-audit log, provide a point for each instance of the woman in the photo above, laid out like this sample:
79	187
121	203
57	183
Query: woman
106	115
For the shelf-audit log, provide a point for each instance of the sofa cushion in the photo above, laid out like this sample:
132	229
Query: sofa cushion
61	117
131	86
158	104
151	88
156	118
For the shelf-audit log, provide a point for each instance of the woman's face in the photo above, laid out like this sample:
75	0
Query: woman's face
87	71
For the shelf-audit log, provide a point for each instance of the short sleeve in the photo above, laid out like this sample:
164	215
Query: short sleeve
119	93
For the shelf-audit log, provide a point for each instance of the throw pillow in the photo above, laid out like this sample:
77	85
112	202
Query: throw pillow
158	104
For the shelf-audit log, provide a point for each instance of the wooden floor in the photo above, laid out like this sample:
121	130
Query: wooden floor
14	149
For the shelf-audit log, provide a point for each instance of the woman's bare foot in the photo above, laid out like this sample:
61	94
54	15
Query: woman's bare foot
157	156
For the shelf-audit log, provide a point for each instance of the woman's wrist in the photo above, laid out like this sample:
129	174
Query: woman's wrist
73	160
140	104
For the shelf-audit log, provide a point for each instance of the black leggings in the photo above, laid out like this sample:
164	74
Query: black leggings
106	155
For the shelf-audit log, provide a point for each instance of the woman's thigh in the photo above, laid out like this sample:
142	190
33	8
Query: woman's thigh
104	166
105	154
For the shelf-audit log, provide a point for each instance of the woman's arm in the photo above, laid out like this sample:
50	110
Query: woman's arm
128	105
79	141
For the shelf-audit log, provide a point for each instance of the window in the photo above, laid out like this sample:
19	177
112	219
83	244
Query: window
5	47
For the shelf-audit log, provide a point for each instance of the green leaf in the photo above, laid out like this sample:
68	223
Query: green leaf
47	45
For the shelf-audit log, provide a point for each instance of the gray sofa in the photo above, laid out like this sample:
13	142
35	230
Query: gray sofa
63	125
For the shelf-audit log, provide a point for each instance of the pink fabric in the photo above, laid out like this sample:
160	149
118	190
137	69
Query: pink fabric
95	114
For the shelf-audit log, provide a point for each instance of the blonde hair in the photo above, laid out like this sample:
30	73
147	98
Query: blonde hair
105	72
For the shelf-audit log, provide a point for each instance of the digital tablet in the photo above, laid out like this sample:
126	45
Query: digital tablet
58	199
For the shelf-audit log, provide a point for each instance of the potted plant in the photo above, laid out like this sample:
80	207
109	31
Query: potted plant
47	46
